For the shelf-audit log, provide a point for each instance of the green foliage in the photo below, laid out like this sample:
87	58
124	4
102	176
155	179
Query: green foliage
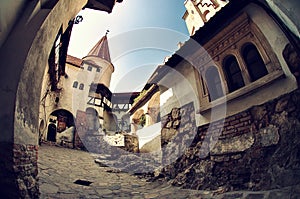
142	120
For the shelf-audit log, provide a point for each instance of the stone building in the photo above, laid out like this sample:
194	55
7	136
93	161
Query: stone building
264	155
233	119
198	12
145	116
28	31
81	90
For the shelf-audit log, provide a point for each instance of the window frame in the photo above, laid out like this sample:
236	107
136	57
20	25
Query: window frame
75	84
229	75
81	86
251	68
230	41
214	84
90	68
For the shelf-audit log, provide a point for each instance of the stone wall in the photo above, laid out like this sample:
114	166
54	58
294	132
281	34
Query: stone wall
26	171
178	130
131	143
21	163
257	149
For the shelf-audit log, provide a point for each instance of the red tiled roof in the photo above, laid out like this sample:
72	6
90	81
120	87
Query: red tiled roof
74	60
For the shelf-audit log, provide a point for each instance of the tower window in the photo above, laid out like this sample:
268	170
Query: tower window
255	64
89	68
75	84
233	74
81	86
98	70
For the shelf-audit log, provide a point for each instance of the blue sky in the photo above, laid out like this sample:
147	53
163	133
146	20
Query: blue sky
142	33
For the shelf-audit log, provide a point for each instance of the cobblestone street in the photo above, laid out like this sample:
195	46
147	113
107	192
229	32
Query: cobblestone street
59	168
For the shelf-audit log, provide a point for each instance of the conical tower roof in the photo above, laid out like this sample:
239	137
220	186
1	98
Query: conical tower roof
101	49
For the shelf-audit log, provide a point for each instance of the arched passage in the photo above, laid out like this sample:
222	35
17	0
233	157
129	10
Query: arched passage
61	127
26	51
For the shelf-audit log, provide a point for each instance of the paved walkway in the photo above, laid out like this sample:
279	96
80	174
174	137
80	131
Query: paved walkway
59	168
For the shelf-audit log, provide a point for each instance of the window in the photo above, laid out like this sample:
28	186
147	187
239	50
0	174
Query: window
233	73
255	65
81	86
98	70
75	84
214	83
89	68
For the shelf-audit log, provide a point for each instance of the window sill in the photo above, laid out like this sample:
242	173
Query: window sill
244	90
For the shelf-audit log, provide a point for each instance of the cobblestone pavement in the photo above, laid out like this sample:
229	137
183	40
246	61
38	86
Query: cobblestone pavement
59	168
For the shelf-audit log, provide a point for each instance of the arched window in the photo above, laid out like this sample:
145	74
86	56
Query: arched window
75	84
214	83
81	86
255	64
233	73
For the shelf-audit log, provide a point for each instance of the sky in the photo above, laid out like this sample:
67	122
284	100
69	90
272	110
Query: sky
141	34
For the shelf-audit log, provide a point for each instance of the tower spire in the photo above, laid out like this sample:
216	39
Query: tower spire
101	49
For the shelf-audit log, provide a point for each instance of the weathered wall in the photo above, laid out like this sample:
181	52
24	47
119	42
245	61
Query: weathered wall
256	149
9	13
26	51
106	70
288	12
273	42
183	80
178	130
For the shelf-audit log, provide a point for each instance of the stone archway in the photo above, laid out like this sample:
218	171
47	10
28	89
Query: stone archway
61	128
25	53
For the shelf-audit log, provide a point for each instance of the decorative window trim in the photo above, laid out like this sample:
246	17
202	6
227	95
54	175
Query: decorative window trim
269	78
230	41
252	68
203	86
211	83
228	74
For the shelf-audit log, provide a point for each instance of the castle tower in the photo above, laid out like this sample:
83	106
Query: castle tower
99	57
198	12
96	73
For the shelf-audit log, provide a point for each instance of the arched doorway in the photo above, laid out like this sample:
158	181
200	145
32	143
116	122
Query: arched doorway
61	127
33	28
